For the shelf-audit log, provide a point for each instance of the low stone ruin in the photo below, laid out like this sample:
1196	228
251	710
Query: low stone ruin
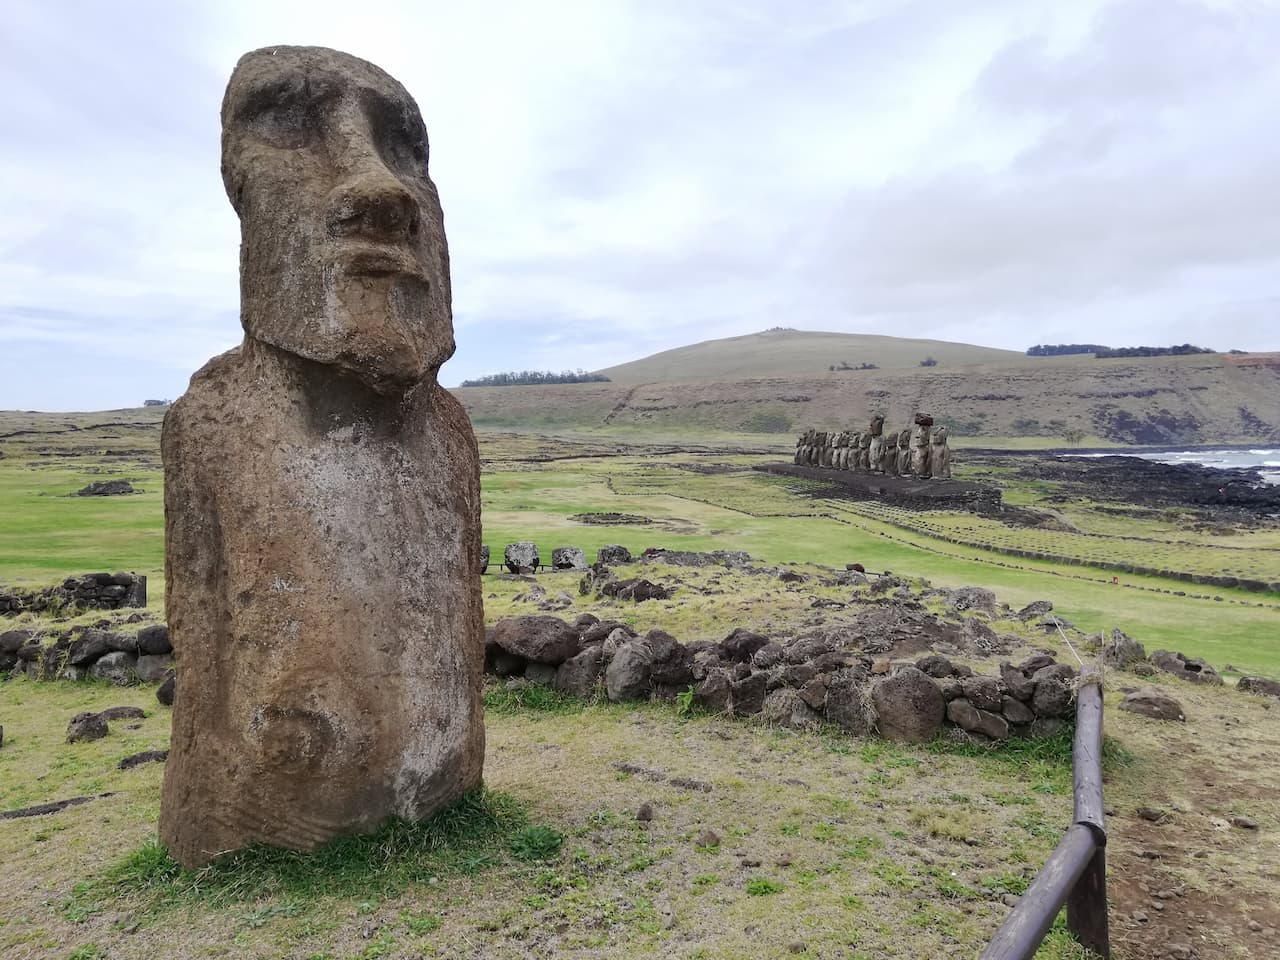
106	488
88	653
91	591
801	683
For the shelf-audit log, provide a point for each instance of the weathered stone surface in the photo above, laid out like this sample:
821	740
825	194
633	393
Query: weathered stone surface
848	701
321	489
11	641
91	645
936	666
1054	692
746	696
521	557
768	656
671	663
128	712
908	706
568	558
1016	681
1035	609
973	598
712	691
982	692
543	674
1185	668
965	715
152	668
636	589
785	707
484	559
1261	686
1122	651
106	488
116	667
166	690
741	644
613	553
599	631
154	640
537	638
1015	711
86	726
805	649
814	693
1154	703
628	674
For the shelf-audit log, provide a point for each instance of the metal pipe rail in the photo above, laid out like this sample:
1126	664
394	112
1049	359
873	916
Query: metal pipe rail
1075	873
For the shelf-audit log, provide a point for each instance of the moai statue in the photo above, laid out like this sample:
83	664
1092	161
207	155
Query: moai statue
889	454
876	451
864	453
920	446
904	453
939	455
829	450
322	490
799	449
838	455
855	444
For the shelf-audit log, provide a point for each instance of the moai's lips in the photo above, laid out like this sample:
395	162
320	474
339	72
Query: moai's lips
373	260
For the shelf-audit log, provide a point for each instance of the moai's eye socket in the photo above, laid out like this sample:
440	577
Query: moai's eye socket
284	114
399	135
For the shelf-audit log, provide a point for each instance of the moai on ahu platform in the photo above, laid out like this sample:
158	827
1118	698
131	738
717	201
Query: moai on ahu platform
920	445
939	454
875	451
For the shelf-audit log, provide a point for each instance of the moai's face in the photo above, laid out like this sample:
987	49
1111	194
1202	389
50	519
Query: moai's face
343	257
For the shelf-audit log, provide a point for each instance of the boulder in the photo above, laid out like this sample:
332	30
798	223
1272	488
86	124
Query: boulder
1015	711
542	674
1035	662
106	488
741	644
1261	686
1122	651
598	632
908	706
521	557
969	717
814	693
982	692
1016	681
785	707
86	726
628	673
154	640
164	692
671	664
1034	609
484	558
152	668
116	667
746	696
797	675
540	639
11	641
712	691
90	645
805	649
568	558
1185	668
973	598
123	713
613	553
1055	691
936	666
1154	703
847	700
768	656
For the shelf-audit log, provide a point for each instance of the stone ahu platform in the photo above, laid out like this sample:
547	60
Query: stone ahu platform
903	491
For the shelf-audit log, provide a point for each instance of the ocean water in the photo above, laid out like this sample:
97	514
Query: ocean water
1264	459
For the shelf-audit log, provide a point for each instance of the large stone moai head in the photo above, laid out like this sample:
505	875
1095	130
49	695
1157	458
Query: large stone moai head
343	257
877	425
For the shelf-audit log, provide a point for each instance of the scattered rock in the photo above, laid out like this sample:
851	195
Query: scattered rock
521	557
154	640
116	667
936	666
707	838
578	675
1260	686
106	488
1244	823
1034	609
613	553
86	726
568	558
1122	651
123	713
1154	703
627	677
164	693
644	813
741	645
146	756
1152	814
1184	668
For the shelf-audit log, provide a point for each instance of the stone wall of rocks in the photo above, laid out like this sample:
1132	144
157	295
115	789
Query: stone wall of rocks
523	557
88	653
800	684
92	591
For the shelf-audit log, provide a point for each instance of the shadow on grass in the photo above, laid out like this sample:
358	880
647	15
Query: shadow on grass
475	833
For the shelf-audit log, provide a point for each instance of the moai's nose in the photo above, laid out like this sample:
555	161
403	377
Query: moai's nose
373	206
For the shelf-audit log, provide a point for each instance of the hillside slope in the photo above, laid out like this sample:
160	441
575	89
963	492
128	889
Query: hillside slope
1205	399
785	352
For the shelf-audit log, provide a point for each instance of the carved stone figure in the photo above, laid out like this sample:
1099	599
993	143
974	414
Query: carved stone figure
876	450
799	449
889	454
904	453
864	452
322	497
939	455
920	446
828	449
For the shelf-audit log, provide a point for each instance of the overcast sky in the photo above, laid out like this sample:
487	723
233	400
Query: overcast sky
620	178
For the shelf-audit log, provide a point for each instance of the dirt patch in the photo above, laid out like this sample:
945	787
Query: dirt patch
610	519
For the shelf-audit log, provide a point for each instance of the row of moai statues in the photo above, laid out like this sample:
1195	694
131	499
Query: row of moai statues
920	451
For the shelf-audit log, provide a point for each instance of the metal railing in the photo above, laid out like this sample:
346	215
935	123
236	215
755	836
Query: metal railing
1076	872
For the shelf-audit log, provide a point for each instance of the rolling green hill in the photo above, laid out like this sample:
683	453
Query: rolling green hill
784	351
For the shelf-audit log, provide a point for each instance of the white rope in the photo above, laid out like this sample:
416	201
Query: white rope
1057	624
